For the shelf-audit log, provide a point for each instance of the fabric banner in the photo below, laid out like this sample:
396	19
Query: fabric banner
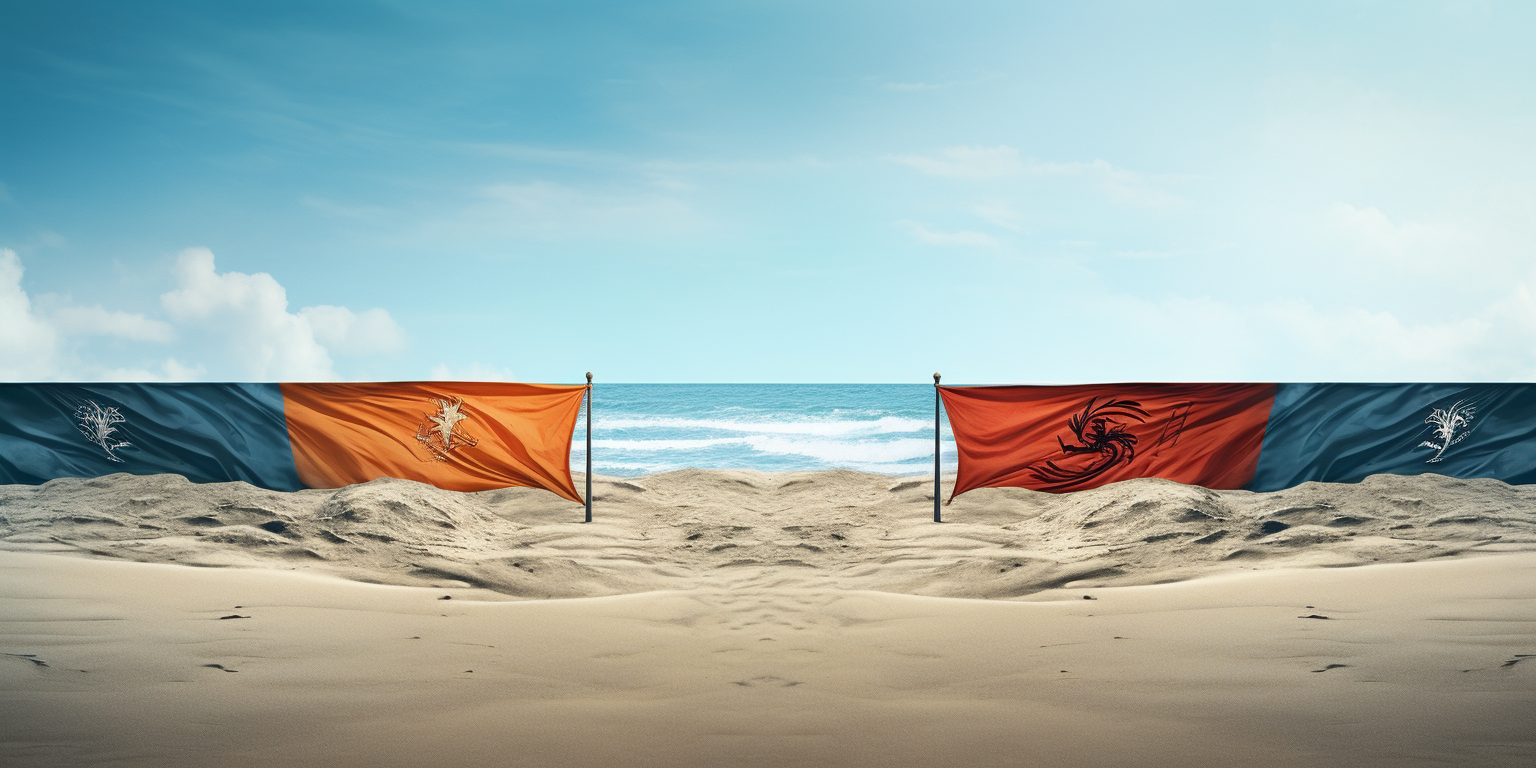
1261	437
456	435
1079	437
209	433
459	436
1342	433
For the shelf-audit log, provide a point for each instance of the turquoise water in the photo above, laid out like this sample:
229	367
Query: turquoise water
640	429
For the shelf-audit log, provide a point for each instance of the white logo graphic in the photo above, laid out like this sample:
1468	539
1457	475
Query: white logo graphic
95	422
443	436
1451	427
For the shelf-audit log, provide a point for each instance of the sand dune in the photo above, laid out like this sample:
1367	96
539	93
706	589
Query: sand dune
842	530
743	618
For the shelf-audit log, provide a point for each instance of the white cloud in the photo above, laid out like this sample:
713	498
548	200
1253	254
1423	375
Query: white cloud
248	315
1372	231
967	162
1000	214
543	209
175	371
1297	341
963	237
1416	264
1129	187
1360	342
238	324
169	369
34	346
354	333
28	344
96	321
1118	184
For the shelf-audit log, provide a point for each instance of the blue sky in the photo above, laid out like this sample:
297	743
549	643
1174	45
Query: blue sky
777	191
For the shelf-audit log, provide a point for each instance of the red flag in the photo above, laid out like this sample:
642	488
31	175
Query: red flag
1074	438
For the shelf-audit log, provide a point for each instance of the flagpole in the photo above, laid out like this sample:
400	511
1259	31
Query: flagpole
937	518
589	446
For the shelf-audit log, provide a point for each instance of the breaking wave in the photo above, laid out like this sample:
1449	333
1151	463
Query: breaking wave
642	429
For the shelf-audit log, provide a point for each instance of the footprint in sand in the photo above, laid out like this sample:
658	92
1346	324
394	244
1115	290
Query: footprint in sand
767	680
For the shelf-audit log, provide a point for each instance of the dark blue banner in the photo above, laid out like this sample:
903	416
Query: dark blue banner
205	432
1342	433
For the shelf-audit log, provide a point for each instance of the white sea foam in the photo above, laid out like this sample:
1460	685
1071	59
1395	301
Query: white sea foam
667	445
768	427
602	467
829	428
883	451
844	452
895	469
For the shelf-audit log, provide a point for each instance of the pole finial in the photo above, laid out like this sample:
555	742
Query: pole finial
935	379
589	377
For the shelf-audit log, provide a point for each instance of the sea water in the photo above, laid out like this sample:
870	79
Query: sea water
640	429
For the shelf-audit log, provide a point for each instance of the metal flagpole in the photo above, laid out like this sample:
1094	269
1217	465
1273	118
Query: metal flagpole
589	446
936	517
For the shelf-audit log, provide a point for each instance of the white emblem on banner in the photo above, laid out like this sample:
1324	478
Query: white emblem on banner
96	423
439	432
1451	427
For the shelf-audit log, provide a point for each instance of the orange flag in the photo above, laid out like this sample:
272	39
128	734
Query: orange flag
1074	438
462	436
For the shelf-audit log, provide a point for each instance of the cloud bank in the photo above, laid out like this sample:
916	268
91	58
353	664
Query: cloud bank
228	325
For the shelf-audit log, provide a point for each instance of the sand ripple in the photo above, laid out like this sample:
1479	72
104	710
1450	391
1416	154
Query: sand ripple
735	531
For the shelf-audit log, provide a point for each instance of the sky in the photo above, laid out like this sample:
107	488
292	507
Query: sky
778	191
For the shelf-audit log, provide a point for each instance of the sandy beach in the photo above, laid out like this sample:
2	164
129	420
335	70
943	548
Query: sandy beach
732	618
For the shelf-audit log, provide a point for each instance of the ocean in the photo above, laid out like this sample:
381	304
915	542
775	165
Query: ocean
640	429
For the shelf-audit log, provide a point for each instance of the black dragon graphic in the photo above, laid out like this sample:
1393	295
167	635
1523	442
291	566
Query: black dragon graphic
1101	433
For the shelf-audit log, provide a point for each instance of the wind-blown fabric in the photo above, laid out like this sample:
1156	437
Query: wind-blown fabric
1078	437
207	432
1261	437
1342	433
513	434
463	436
